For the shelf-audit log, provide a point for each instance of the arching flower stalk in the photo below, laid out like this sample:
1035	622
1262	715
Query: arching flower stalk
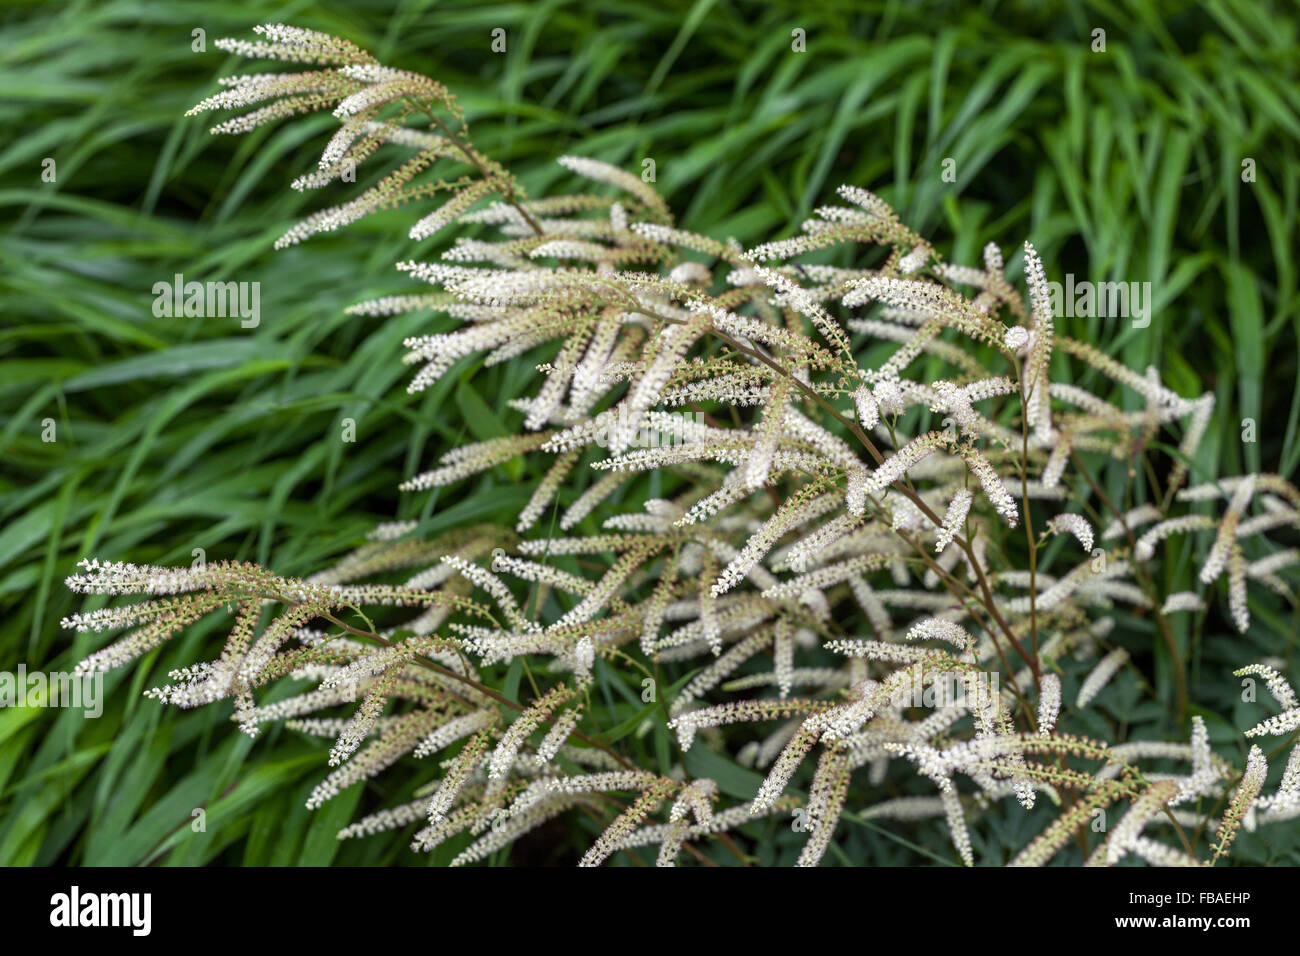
822	520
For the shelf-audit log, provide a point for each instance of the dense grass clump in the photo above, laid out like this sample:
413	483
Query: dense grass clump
176	434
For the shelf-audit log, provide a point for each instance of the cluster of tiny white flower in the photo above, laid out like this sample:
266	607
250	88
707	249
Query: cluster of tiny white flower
773	537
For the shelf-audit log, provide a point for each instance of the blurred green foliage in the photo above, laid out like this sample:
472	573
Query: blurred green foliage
177	434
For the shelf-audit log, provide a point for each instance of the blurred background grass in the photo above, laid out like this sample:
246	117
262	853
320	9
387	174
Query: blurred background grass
177	434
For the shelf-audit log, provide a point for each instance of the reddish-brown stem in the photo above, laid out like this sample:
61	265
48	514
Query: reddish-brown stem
470	682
